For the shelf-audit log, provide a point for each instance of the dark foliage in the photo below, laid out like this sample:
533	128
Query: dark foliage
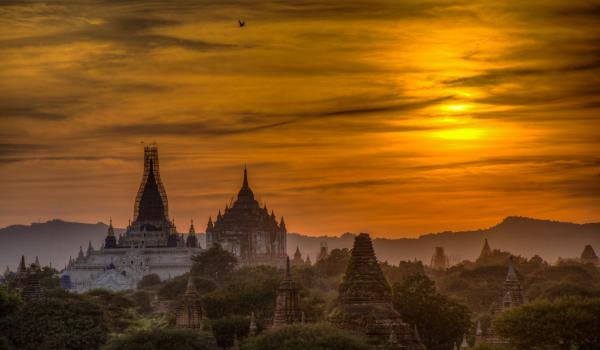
564	323
215	263
149	281
306	337
161	339
226	330
56	323
440	321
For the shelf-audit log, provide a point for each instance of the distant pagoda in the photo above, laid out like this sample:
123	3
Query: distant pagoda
189	311
439	260
486	251
248	231
26	281
588	256
287	304
298	260
511	297
365	303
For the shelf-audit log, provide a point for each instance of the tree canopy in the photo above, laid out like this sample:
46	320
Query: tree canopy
440	321
564	323
160	339
56	323
303	337
214	263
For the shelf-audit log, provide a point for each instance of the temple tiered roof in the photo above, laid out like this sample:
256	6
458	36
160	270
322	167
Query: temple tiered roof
365	302
248	230
287	305
189	311
151	201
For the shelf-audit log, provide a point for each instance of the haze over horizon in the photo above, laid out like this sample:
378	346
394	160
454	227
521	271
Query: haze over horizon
396	118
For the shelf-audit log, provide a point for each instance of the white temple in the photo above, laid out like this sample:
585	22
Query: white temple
150	245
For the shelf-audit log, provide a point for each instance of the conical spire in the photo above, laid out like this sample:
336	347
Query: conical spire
209	226
151	201
22	267
282	225
192	230
253	328
90	248
245	195
7	271
511	275
111	230
486	250
80	255
37	261
245	184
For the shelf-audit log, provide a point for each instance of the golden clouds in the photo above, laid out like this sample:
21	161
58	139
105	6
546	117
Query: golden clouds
378	113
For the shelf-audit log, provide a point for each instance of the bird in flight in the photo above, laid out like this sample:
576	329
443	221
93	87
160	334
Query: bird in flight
242	23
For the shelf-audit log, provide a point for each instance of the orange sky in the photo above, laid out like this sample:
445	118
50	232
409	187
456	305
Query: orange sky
385	116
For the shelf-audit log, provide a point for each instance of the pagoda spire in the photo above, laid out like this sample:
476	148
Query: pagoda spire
7	271
245	184
111	230
511	275
192	230
486	250
37	261
22	267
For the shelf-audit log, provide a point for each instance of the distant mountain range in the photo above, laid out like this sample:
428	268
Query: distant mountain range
54	241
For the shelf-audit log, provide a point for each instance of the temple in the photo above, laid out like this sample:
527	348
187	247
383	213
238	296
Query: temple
150	245
486	250
298	260
26	281
189	311
248	231
511	297
365	304
439	260
588	256
287	304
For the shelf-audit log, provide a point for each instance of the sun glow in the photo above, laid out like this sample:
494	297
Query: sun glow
462	134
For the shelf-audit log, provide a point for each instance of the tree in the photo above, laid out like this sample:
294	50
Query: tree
302	337
9	302
335	263
249	289
214	263
225	330
159	339
176	286
440	321
564	323
56	323
118	308
149	281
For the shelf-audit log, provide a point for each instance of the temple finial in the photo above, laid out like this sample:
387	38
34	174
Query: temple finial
245	176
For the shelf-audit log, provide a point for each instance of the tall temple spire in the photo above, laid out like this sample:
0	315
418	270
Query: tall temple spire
22	267
287	304
151	201
365	302
189	311
486	250
245	195
110	241
192	240
511	275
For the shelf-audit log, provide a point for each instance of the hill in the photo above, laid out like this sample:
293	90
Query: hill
56	240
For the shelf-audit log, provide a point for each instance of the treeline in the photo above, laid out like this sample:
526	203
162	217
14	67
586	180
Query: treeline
443	306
